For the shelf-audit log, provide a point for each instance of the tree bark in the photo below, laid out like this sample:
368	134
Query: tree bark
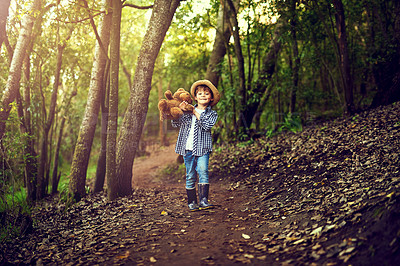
344	61
14	76
88	126
105	28
113	183
135	115
4	5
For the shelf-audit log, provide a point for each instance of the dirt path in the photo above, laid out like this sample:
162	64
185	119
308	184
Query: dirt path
175	236
146	168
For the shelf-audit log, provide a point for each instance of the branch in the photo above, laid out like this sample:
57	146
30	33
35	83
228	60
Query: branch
80	20
95	30
137	7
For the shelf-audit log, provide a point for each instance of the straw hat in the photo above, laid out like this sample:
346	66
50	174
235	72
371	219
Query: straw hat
208	83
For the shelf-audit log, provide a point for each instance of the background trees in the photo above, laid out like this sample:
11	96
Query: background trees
278	64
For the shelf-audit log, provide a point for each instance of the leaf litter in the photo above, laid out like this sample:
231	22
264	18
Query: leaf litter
328	195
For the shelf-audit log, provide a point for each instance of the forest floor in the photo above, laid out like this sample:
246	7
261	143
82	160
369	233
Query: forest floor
328	195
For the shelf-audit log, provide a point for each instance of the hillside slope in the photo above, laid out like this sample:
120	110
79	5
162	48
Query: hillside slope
329	191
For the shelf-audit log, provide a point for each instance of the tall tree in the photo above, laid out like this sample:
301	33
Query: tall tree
30	161
104	30
386	70
296	58
267	69
14	76
112	181
222	36
242	91
42	177
134	118
344	59
56	175
86	133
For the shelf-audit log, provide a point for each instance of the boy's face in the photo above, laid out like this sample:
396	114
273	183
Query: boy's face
203	96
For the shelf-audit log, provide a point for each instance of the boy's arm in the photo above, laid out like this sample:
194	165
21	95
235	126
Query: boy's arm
184	119
207	121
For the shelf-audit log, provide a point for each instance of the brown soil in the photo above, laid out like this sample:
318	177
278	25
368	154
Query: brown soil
146	169
180	237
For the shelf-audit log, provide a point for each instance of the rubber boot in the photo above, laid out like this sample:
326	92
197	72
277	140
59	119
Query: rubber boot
192	199
203	197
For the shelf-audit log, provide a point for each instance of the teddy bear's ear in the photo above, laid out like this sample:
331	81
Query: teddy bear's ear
168	95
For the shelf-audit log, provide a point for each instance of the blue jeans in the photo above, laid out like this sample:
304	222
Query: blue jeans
196	165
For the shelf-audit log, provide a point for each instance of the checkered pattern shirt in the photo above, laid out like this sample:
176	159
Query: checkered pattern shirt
202	142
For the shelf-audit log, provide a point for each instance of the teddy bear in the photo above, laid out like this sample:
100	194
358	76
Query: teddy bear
169	107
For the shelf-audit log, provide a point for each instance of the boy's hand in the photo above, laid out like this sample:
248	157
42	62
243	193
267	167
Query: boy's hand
182	105
185	106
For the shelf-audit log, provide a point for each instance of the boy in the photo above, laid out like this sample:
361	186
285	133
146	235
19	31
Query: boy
194	141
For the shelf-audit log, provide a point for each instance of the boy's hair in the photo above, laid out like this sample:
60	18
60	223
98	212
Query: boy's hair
205	88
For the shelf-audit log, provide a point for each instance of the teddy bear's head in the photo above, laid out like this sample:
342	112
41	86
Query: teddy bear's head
182	95
169	107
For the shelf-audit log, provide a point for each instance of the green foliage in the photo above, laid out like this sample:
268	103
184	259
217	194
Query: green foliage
245	143
291	123
14	200
173	172
13	206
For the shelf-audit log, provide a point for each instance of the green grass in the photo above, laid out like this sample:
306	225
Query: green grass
15	200
12	205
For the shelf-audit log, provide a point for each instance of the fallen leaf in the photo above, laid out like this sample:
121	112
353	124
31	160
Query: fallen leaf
317	231
245	236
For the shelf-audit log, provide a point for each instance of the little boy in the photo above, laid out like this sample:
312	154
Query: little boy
194	141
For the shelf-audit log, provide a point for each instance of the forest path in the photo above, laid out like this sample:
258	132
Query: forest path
145	168
176	236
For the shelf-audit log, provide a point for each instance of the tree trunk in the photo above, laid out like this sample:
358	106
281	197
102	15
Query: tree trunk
42	181
113	182
14	76
222	36
161	123
296	58
101	162
135	115
344	61
30	169
30	160
55	176
239	56
267	70
387	73
86	133
4	5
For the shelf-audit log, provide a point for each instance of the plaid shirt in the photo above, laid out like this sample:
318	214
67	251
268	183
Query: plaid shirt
202	142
